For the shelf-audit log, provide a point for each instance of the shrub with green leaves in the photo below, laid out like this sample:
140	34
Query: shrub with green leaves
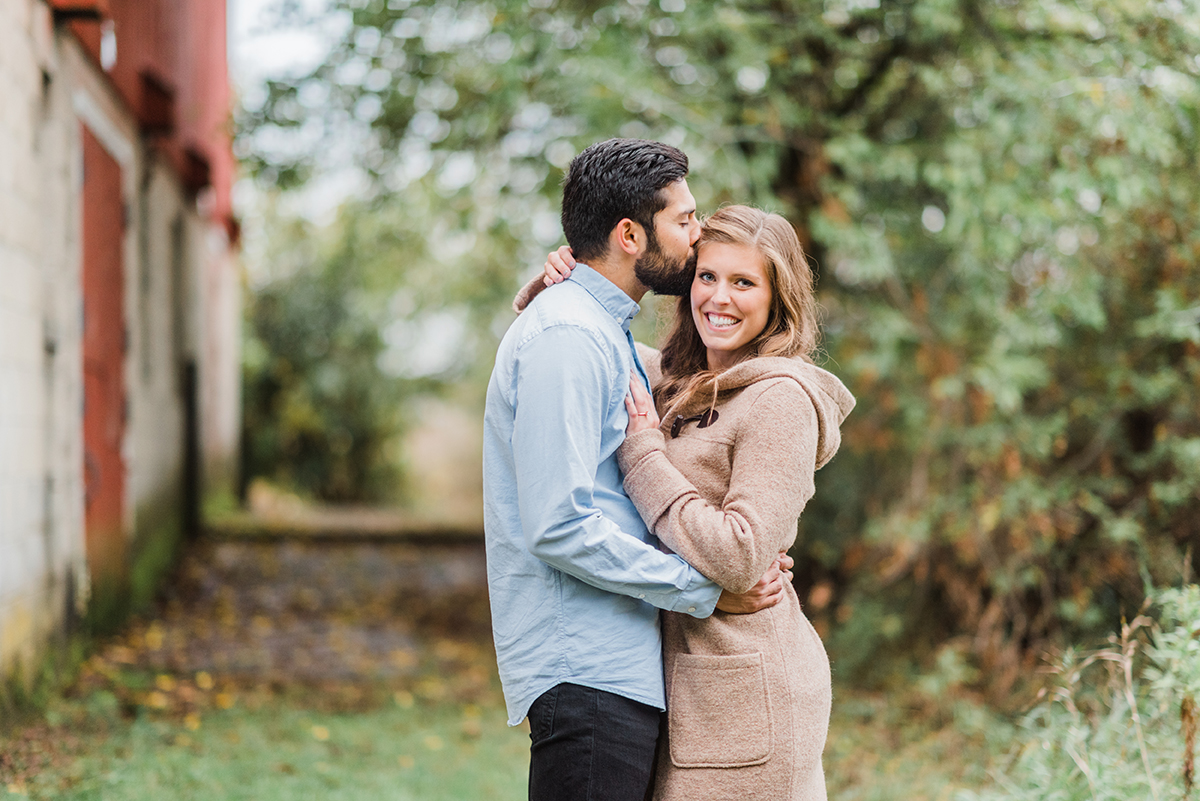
321	417
1118	723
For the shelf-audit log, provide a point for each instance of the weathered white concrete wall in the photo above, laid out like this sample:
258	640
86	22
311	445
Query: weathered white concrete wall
187	307
220	363
42	567
160	339
182	301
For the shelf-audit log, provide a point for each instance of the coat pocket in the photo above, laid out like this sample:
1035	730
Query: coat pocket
719	715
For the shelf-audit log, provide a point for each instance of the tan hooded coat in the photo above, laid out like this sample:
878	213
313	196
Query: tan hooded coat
748	696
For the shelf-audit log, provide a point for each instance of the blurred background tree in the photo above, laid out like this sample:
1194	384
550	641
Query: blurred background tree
1000	200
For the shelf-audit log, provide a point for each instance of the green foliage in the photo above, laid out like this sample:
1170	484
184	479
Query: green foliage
321	416
1110	727
1001	202
272	753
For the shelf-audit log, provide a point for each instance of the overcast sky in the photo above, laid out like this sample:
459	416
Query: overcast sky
259	49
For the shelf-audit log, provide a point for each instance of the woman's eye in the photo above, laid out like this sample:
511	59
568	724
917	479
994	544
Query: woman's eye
705	276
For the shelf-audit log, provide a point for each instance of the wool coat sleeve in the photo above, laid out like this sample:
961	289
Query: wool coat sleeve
773	459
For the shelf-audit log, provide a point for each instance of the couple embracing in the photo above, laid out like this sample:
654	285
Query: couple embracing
620	481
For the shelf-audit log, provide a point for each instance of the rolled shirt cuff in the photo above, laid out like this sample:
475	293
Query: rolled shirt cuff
697	598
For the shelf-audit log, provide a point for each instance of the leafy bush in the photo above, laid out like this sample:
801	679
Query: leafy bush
321	417
1118	723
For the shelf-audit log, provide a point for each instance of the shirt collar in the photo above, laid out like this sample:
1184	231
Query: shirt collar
620	306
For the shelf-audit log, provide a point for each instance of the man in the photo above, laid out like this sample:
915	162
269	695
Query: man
575	578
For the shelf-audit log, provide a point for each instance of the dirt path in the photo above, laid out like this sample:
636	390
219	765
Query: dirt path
286	612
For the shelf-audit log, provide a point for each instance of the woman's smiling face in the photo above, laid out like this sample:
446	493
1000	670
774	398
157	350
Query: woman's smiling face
731	300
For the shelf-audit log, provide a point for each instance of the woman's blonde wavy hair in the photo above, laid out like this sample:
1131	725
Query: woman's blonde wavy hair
791	328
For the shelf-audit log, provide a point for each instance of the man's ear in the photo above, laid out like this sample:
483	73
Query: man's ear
628	237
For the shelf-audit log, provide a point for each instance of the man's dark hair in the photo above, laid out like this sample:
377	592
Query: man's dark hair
612	180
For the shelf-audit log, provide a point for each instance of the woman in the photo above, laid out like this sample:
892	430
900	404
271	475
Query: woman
721	479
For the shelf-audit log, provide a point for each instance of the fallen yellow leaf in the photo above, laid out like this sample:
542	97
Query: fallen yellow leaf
402	658
164	682
192	721
406	761
434	743
432	688
320	732
204	680
404	699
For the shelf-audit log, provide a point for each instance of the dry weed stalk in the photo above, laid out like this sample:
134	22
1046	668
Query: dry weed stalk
1188	716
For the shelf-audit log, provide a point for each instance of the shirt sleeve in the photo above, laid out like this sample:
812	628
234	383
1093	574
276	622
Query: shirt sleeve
564	382
774	458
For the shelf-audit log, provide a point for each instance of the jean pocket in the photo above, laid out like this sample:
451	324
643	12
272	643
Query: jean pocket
541	715
719	714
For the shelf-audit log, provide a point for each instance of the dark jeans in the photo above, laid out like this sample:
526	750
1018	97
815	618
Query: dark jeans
590	745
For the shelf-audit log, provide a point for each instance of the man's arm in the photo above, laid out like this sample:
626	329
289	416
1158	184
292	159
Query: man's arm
767	592
563	385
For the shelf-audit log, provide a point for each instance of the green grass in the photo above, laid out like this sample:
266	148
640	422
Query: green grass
882	747
282	750
910	745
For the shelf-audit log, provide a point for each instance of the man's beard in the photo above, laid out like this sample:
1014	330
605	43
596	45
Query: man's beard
663	275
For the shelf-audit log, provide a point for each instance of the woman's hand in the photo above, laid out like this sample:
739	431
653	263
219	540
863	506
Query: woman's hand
558	266
639	404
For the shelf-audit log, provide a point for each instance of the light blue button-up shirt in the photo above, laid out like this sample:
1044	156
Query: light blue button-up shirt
573	574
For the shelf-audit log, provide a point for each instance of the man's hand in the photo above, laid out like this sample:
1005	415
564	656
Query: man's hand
763	595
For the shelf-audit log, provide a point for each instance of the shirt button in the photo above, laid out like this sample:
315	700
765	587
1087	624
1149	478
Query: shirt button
643	595
691	609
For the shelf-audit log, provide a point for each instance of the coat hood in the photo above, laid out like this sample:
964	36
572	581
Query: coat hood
832	401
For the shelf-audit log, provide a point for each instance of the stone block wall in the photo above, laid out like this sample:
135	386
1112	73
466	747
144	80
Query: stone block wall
43	575
181	305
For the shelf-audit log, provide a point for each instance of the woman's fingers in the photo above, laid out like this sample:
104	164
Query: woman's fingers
639	420
558	266
785	564
643	403
640	395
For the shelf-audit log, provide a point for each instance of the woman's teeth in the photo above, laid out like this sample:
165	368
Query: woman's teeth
721	320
